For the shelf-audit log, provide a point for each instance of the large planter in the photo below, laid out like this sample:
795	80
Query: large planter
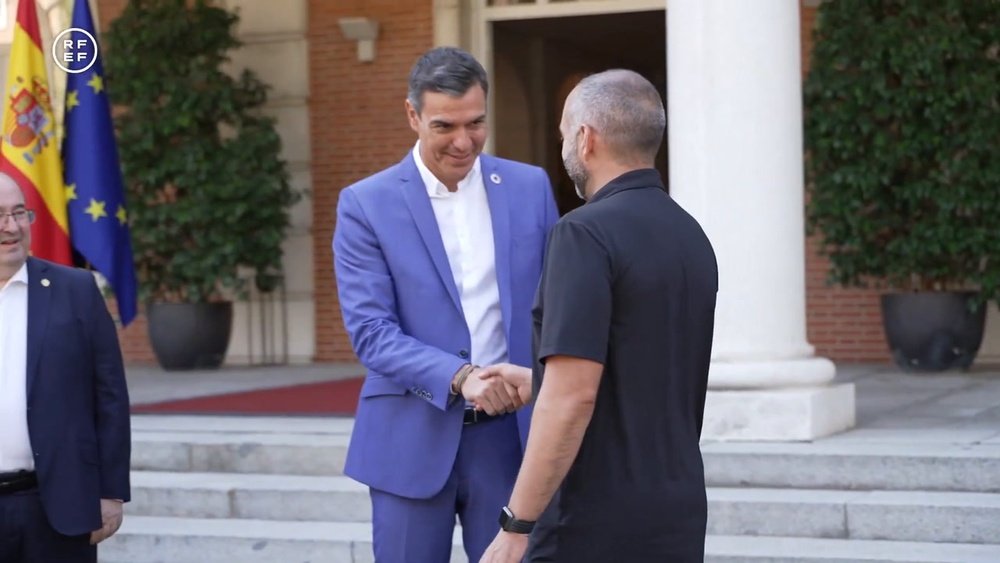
188	336
933	331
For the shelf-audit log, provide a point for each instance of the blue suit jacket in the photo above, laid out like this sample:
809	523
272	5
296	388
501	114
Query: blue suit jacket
78	408
401	309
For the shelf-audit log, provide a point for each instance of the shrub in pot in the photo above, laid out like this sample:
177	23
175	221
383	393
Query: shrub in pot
208	192
903	165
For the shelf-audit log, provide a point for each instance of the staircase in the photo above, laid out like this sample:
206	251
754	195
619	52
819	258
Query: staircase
248	490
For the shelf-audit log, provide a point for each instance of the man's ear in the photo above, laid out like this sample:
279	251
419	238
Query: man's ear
412	116
586	141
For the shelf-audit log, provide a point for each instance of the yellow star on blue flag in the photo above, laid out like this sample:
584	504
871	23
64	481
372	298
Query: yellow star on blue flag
72	100
96	209
96	82
93	177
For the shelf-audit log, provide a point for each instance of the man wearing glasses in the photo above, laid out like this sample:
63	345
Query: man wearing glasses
64	412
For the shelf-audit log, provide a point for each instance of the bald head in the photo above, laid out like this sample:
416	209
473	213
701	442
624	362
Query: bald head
15	229
624	109
7	181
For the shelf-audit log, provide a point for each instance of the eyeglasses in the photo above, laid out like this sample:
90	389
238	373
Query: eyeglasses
21	216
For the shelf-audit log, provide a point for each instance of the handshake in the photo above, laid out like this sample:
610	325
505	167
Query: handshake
495	389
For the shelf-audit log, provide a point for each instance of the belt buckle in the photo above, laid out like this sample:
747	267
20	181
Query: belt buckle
475	416
7	479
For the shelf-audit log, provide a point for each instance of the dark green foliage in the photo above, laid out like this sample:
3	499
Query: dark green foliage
207	190
903	143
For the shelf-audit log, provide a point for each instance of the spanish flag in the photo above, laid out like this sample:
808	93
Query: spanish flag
29	150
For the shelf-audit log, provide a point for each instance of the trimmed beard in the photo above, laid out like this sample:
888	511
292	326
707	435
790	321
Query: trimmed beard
576	172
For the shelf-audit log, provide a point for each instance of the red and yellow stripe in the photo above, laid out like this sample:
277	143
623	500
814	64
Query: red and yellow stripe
29	150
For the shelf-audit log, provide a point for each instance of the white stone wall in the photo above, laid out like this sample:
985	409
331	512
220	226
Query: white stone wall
990	351
276	49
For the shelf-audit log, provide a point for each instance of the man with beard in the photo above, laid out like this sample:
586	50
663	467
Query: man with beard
64	409
623	324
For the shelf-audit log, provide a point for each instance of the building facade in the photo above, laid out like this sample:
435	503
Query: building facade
338	101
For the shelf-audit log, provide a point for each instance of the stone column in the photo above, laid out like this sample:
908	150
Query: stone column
447	23
276	48
736	163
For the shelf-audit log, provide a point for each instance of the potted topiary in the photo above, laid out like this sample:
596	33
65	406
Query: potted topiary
208	193
903	164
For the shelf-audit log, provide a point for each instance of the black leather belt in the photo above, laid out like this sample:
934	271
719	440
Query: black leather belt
472	416
19	481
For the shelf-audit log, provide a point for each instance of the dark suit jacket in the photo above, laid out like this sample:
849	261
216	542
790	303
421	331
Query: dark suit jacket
78	408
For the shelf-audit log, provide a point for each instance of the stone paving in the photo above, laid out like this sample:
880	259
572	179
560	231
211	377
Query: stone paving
892	406
896	407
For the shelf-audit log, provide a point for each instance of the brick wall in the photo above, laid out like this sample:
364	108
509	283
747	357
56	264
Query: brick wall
843	324
134	339
108	10
358	125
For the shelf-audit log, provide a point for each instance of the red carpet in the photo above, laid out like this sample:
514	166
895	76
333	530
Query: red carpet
338	398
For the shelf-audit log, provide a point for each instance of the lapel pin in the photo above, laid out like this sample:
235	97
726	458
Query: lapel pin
495	178
45	282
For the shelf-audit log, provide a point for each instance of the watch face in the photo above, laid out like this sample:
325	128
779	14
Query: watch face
509	523
505	517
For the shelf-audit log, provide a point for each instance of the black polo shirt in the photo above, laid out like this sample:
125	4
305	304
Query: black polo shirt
630	281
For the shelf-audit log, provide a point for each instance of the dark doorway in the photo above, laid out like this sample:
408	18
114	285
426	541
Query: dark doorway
537	62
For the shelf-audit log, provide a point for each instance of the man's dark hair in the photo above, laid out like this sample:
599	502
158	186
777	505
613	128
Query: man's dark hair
445	69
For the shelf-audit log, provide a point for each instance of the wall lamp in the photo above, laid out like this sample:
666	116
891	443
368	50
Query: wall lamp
364	31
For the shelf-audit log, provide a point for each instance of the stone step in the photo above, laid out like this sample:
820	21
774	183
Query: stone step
894	515
318	445
153	539
243	424
148	539
249	496
866	515
854	466
273	453
275	445
743	549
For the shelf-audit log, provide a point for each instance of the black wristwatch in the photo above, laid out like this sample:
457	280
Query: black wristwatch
509	523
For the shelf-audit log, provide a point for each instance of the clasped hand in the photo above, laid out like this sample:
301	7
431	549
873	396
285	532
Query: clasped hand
498	389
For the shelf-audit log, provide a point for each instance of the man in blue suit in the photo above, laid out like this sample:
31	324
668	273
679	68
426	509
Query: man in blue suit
64	409
437	260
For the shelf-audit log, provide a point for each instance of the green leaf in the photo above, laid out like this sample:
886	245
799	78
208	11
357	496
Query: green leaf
902	131
202	205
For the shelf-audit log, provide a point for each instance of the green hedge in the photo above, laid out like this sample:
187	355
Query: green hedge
208	192
903	143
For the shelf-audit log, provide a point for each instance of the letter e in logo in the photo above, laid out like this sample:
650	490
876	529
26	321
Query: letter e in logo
74	50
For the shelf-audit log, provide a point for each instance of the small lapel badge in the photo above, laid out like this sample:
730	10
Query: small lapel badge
495	178
45	282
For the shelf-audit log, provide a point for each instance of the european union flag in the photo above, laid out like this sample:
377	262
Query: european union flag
95	192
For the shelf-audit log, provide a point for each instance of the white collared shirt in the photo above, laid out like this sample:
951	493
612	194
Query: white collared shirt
15	446
466	227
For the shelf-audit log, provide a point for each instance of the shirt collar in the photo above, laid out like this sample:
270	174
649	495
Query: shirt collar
20	277
436	188
641	178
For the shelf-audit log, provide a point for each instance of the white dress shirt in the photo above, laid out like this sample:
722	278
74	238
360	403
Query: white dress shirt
15	446
463	217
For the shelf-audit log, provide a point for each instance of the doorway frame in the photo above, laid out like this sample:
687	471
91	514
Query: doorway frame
471	25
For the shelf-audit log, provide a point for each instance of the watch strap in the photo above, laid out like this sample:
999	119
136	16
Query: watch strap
509	523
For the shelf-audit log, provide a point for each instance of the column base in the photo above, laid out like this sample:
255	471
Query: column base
811	371
795	414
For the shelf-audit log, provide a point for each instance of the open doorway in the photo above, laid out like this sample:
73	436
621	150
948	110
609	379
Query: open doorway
537	62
